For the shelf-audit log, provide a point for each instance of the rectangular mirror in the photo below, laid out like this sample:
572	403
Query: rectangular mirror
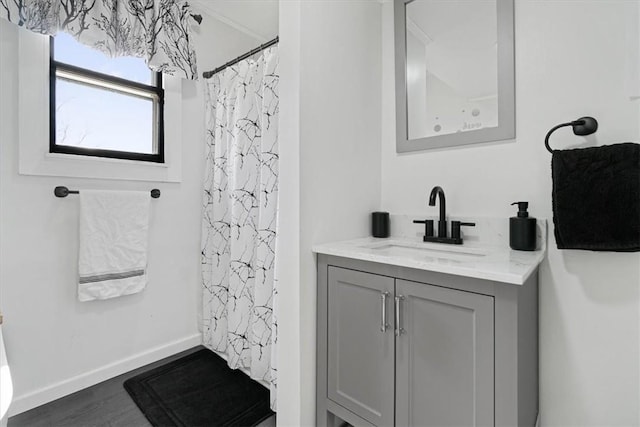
454	72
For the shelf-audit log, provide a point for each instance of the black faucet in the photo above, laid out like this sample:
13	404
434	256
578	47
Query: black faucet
442	222
456	238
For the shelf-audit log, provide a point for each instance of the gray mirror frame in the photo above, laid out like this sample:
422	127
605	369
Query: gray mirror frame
506	128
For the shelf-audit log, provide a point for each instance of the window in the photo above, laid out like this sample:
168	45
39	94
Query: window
105	107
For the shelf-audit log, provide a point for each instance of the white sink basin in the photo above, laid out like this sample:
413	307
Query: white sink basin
394	248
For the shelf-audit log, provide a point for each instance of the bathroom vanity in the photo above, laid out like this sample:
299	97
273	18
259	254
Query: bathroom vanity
422	334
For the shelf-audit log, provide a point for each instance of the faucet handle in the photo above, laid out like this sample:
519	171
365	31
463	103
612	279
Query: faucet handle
428	226
455	228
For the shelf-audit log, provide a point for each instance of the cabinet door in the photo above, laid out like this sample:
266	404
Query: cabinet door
360	355
444	357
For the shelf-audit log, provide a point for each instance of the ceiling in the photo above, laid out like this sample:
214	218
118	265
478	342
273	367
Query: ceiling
255	18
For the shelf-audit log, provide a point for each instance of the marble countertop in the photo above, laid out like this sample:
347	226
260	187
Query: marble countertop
495	262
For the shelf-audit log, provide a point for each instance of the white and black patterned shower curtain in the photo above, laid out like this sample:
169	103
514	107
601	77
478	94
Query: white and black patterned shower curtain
240	209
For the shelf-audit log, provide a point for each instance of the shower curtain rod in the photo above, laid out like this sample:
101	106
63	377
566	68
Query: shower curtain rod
209	74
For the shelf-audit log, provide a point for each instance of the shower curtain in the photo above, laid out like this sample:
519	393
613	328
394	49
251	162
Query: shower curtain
240	210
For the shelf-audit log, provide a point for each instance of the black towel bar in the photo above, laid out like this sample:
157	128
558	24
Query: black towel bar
64	192
583	126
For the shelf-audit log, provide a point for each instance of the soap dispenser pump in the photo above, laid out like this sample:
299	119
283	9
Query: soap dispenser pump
522	229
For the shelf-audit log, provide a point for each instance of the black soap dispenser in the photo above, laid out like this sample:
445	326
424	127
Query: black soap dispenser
522	229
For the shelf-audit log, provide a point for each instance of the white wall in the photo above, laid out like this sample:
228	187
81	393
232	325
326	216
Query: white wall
55	344
572	59
218	42
287	307
330	70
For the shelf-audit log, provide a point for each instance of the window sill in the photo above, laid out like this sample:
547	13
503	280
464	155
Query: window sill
93	159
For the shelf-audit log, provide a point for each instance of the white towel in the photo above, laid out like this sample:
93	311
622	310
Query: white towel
114	230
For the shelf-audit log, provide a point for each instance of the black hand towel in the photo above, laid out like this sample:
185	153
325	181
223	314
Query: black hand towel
596	198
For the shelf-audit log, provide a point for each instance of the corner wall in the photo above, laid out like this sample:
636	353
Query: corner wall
573	58
330	70
55	344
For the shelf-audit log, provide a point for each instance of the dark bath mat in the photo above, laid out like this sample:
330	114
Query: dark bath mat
199	390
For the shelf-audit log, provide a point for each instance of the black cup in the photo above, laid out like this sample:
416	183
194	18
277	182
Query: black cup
380	224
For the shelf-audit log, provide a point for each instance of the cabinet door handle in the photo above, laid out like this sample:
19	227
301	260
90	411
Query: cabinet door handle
383	304
399	330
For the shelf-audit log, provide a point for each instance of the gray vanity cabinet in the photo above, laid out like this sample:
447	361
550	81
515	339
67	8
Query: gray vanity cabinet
405	347
444	357
443	344
360	349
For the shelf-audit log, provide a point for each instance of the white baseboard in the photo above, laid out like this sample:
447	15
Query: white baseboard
63	388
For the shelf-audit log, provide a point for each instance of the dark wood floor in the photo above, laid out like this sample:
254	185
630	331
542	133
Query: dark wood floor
104	404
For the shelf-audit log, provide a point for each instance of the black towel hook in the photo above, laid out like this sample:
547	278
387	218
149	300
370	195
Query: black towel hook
583	126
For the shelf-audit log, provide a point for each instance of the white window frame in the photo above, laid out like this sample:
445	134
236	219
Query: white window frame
34	157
